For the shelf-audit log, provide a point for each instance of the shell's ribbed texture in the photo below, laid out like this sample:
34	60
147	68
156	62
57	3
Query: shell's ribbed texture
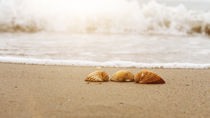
122	76
97	76
148	77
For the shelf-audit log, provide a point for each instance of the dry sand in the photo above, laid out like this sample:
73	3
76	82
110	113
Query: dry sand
37	91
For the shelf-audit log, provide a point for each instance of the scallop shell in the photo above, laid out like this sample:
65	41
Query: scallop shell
97	76
148	77
122	76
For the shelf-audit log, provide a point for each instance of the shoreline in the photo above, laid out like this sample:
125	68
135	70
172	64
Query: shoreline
110	64
101	67
41	91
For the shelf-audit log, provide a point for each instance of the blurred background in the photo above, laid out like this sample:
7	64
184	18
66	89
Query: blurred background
122	33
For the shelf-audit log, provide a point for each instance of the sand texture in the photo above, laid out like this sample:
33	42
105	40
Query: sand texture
37	91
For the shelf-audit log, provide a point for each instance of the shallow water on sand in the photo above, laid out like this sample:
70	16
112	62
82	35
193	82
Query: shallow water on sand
107	47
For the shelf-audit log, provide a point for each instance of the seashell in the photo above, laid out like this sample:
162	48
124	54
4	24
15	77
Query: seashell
97	76
122	76
148	77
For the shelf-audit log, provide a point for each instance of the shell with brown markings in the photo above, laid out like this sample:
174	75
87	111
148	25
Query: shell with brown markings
122	76
148	77
97	76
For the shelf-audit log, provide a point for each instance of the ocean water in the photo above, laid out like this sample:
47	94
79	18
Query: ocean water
113	33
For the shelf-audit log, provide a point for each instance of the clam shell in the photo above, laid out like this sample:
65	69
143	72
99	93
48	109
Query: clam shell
97	76
122	76
148	77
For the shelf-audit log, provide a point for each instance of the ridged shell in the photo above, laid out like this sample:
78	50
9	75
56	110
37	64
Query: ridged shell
97	76
122	76
148	77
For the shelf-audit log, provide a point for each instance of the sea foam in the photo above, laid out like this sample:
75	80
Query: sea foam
22	60
100	16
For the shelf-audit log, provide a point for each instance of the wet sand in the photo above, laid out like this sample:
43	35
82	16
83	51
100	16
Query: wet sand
38	91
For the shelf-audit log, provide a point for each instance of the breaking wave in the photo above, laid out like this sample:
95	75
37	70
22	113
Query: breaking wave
100	16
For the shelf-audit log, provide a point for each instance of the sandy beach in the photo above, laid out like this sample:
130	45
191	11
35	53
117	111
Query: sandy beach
49	47
38	91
